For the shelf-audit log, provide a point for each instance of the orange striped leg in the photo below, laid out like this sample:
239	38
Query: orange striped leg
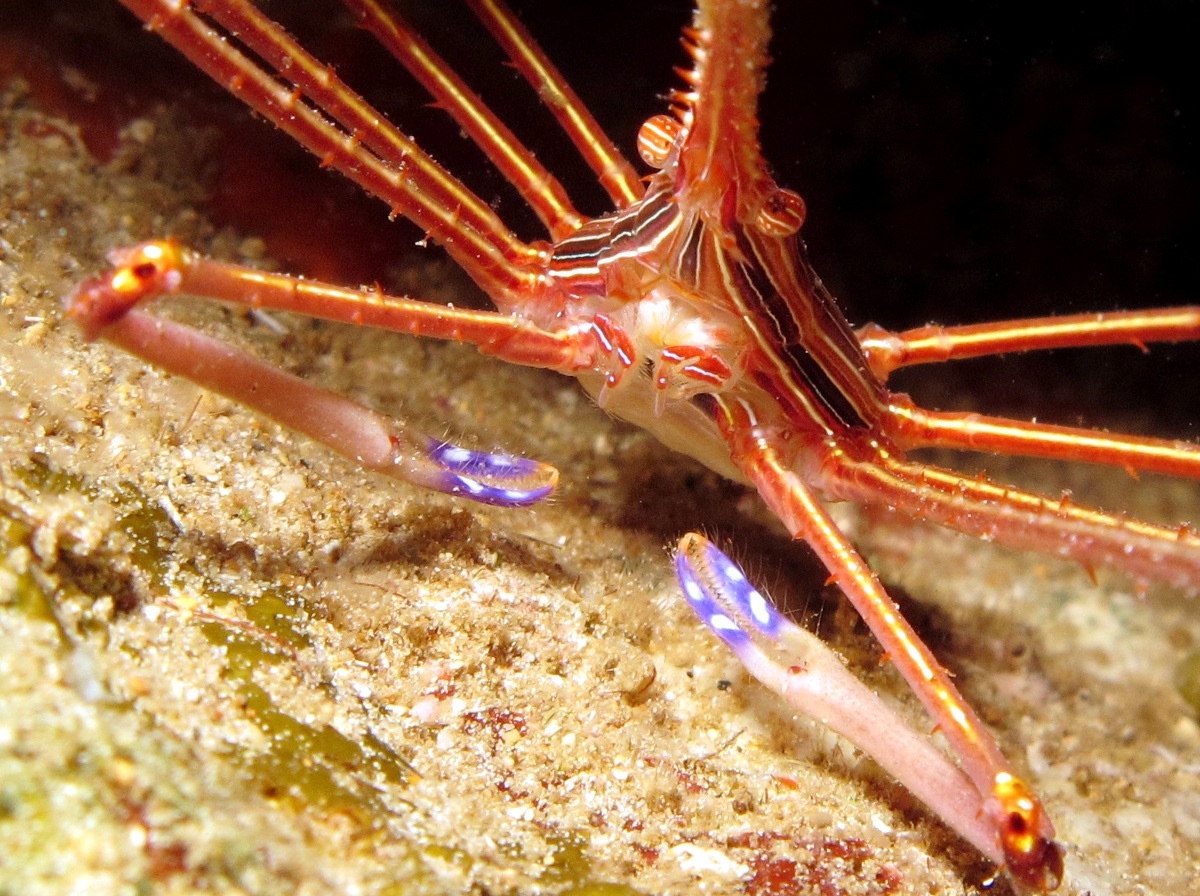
887	351
106	307
798	666
347	134
913	427
1024	831
1017	518
537	186
151	270
616	175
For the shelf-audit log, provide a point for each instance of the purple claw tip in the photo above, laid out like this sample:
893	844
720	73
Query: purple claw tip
721	594
707	608
497	479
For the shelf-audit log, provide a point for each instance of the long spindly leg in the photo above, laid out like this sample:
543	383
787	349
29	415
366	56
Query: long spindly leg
913	427
615	173
540	190
370	439
1023	828
799	667
106	307
1018	518
538	187
887	351
347	134
268	40
159	268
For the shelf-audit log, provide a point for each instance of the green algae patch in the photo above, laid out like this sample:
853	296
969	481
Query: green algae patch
19	588
44	478
275	612
146	526
1187	680
21	591
448	855
602	889
312	766
569	862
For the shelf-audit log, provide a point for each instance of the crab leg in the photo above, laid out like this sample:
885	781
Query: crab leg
799	667
146	272
887	351
370	439
105	307
1018	518
361	144
268	40
616	175
1025	832
914	427
544	194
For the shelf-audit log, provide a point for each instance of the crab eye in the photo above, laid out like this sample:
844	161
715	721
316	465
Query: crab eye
781	215
656	138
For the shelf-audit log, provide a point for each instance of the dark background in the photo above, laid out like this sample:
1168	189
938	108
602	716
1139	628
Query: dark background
961	162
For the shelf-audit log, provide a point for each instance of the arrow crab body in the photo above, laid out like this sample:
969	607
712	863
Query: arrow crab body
692	311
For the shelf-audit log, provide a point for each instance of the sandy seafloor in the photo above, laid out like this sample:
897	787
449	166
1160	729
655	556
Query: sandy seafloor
231	663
